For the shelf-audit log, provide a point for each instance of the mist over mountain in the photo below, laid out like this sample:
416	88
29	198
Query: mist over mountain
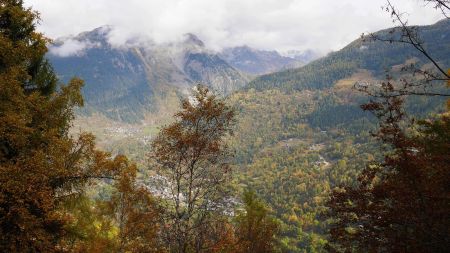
258	62
304	57
375	56
121	82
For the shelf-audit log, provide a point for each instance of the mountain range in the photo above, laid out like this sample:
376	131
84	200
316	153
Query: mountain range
258	62
125	82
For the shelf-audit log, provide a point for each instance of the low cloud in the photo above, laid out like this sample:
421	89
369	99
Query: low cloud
71	47
282	25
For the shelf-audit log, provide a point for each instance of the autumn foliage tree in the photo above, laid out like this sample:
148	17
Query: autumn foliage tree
33	125
135	214
42	166
401	204
125	221
192	156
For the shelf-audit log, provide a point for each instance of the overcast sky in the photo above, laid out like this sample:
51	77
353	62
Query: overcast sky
282	25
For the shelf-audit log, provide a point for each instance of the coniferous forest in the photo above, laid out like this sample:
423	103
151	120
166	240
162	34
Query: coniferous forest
135	150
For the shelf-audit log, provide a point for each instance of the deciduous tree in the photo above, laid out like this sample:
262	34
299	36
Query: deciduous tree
134	212
191	154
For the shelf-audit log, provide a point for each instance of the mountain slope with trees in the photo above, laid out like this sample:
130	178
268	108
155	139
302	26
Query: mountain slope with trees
375	56
302	133
124	83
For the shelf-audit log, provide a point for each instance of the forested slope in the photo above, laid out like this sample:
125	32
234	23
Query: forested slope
302	132
375	56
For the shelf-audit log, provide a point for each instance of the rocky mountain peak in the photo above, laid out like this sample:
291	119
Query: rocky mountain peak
192	39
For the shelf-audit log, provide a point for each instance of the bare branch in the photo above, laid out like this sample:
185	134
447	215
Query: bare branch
409	35
442	5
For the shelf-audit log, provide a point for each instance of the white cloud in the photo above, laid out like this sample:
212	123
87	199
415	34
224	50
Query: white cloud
266	24
71	47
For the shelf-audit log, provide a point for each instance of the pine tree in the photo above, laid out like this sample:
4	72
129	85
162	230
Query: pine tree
41	164
255	229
